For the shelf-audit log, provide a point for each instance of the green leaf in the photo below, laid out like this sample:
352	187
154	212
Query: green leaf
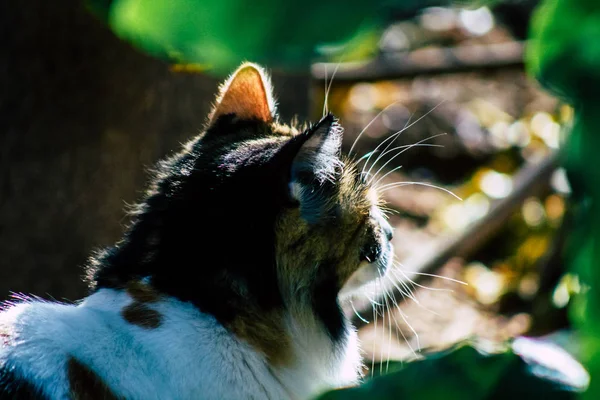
563	50
564	55
220	34
217	35
533	369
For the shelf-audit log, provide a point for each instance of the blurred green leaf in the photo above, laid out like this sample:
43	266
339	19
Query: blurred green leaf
534	369
217	35
563	52
564	55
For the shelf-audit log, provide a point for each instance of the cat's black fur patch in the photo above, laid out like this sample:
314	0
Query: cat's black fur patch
325	304
15	388
187	236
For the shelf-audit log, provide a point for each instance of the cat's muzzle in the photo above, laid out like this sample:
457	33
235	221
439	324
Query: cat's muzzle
368	271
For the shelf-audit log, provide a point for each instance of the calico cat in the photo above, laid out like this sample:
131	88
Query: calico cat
229	282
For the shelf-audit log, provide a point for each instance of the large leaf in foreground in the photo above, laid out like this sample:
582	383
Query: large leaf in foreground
564	55
530	369
216	35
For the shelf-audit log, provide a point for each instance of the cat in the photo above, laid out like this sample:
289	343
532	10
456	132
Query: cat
230	280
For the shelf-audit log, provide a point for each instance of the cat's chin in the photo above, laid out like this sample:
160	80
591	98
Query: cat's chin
365	274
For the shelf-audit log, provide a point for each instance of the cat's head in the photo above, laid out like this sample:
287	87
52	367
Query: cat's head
328	224
255	217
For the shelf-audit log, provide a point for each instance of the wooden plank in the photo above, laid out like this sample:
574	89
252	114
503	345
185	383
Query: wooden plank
424	61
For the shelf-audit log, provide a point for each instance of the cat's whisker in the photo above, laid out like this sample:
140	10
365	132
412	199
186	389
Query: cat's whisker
386	329
389	186
386	211
406	146
383	339
325	93
395	319
389	313
374	335
410	145
391	137
406	292
402	147
402	277
389	344
376	309
357	313
418	303
397	307
386	174
328	88
367	177
378	283
369	124
373	300
404	129
402	151
441	277
407	278
405	319
402	282
365	156
396	269
386	309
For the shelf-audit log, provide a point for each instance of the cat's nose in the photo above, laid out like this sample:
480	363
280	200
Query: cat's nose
387	230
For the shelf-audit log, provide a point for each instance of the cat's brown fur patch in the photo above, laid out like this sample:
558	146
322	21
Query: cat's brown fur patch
338	242
5	336
85	384
141	315
266	333
142	292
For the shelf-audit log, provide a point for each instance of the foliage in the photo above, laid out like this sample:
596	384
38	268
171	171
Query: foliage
469	372
564	56
217	35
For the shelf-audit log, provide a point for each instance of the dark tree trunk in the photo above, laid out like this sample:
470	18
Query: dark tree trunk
82	116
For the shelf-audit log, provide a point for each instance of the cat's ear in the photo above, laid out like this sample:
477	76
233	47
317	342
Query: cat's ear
318	155
247	94
316	167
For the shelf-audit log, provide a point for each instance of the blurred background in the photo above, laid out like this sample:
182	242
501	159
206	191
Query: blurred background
94	93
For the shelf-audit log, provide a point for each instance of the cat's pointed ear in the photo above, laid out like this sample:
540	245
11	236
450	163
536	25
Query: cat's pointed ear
320	151
316	167
247	94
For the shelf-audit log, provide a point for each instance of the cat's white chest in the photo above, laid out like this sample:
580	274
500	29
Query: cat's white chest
189	355
318	366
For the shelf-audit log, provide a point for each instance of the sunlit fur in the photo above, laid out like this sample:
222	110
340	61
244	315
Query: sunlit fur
227	284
